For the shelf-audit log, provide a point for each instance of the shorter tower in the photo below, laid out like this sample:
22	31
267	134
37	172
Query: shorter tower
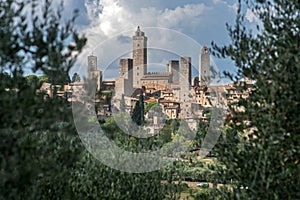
93	73
185	78
126	68
204	65
185	71
185	85
124	82
92	63
173	67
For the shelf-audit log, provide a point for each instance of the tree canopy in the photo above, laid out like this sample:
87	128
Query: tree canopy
41	154
75	77
138	111
261	148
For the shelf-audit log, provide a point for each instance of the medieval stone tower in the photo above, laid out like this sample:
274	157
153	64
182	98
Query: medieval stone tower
185	78
204	65
173	68
93	73
185	71
126	68
139	57
92	63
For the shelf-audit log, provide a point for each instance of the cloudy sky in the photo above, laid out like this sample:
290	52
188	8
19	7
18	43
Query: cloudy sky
174	28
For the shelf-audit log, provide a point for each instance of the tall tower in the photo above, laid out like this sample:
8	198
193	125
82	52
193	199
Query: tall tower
204	65
139	57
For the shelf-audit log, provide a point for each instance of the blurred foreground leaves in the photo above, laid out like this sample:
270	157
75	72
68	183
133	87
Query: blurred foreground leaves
261	145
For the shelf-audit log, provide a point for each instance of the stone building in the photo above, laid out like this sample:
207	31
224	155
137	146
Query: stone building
185	78
157	80
177	93
139	55
204	65
125	81
126	68
175	81
93	73
173	68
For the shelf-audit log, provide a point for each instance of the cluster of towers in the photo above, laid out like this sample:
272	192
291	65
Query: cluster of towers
176	81
134	73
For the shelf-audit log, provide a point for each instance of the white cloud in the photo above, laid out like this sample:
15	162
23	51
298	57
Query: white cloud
110	19
217	1
186	14
94	8
251	16
234	7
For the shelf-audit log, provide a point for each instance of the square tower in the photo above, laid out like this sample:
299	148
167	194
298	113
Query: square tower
126	68
93	73
173	67
139	57
185	78
204	62
185	71
92	63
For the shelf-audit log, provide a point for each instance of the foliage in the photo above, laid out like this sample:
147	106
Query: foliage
92	180
32	80
35	81
201	132
122	104
261	149
194	170
150	105
39	147
75	77
115	131
43	79
41	156
138	111
203	194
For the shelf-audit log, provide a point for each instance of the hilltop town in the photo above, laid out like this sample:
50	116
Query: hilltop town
179	95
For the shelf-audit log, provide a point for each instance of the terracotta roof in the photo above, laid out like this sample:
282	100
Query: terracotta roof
150	100
167	101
